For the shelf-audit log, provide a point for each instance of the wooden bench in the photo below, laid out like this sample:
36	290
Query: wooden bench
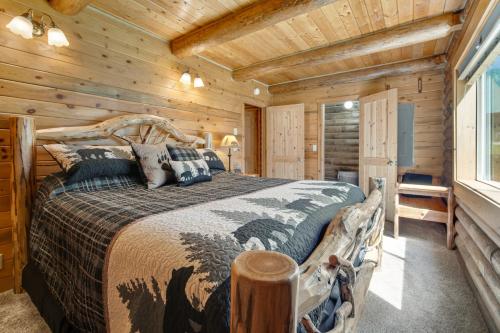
437	208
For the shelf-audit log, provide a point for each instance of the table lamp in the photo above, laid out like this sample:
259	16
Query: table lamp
230	142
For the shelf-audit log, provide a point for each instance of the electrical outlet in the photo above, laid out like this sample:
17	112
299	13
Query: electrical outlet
314	147
1	261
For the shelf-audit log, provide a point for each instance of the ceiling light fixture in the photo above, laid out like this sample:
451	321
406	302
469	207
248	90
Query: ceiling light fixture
185	78
27	26
198	82
348	105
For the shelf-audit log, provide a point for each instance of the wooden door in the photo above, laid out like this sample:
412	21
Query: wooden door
378	135
285	141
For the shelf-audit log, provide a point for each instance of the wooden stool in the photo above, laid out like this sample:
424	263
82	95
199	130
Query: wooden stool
264	280
429	209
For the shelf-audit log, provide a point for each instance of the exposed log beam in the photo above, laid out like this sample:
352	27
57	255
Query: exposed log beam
69	7
393	38
249	19
370	73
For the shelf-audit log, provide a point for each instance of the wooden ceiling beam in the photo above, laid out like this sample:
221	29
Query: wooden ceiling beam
252	18
393	38
69	7
364	74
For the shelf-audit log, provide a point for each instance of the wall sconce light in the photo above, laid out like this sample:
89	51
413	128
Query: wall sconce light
27	27
185	78
198	82
256	91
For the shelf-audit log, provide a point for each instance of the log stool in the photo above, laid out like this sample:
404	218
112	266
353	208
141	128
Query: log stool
264	290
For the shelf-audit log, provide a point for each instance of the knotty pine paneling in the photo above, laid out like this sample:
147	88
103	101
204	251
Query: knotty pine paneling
6	278
112	68
428	115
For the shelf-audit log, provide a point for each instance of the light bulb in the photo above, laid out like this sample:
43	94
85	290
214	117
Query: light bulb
22	26
198	82
56	37
256	91
185	78
348	105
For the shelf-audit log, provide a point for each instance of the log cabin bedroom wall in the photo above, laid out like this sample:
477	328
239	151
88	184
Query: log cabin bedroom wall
112	68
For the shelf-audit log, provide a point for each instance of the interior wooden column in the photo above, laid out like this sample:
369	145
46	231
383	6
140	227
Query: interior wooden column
68	7
22	131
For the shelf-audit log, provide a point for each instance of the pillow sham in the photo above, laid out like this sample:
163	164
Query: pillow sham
183	153
212	159
154	161
82	162
190	172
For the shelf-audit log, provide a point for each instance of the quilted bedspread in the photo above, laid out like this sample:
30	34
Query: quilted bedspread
126	259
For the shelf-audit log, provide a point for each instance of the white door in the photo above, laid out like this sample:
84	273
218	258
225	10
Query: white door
378	135
285	141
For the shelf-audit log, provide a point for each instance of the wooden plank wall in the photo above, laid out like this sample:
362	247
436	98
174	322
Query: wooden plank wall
341	140
428	115
111	68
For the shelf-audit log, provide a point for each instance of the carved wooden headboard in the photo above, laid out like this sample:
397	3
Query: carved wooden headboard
28	160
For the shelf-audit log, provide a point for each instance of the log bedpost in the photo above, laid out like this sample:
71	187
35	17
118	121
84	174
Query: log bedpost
264	287
22	131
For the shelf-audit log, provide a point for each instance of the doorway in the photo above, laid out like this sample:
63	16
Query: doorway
252	126
341	140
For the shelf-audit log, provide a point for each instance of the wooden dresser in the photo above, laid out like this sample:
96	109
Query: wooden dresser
6	276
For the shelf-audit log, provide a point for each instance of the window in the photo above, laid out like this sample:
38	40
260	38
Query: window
488	124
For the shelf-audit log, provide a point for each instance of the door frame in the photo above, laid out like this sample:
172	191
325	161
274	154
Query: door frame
321	129
262	108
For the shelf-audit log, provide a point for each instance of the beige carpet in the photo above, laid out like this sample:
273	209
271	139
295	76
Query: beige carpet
420	288
19	315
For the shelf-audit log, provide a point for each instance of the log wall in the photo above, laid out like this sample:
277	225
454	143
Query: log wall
428	115
111	68
341	140
6	277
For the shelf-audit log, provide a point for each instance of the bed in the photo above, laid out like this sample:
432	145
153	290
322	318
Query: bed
114	256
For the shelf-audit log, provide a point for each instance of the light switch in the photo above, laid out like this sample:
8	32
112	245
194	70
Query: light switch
235	131
314	147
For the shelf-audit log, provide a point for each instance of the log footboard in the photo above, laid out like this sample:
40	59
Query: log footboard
269	294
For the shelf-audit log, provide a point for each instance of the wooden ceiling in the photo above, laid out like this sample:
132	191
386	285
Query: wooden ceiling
332	23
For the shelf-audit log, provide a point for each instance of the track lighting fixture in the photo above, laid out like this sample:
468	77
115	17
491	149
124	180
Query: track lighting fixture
27	26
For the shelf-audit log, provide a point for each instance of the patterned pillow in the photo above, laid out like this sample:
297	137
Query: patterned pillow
155	164
190	172
82	162
213	161
183	153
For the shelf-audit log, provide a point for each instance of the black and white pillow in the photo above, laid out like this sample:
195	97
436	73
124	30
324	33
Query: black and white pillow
82	162
212	159
183	153
155	164
190	172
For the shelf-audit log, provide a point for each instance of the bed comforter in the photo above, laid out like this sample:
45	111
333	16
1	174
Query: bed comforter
121	258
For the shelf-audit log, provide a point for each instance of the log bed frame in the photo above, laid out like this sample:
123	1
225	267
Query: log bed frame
269	291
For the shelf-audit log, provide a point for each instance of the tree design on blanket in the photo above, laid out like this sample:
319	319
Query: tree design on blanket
289	232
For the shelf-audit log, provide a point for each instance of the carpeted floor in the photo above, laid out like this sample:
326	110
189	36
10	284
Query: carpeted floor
419	288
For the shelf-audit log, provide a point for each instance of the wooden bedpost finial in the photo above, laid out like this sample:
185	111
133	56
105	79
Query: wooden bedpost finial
264	287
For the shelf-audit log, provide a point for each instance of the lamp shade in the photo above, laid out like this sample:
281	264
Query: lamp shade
56	37
198	82
22	26
230	141
185	78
